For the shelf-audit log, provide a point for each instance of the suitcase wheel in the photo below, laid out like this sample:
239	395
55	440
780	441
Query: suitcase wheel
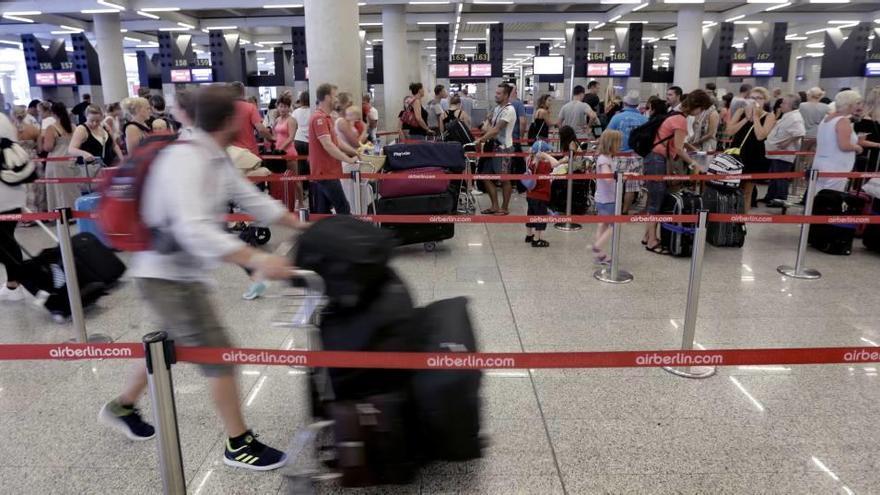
263	235
430	247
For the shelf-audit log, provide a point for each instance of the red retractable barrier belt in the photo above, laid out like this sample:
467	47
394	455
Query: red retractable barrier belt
794	219
28	217
453	361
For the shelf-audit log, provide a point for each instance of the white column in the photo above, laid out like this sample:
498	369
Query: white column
108	41
336	60
395	59
414	65
688	47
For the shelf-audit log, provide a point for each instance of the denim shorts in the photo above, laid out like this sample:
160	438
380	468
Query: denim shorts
655	164
501	165
605	208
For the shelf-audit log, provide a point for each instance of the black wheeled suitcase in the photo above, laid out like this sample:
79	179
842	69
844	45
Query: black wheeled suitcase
418	233
447	403
724	200
835	239
678	238
93	256
44	278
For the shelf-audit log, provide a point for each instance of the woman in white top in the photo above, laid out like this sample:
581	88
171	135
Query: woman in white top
836	141
300	132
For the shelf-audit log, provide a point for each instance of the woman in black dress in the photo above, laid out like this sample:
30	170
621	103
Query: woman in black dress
867	126
542	122
93	140
750	126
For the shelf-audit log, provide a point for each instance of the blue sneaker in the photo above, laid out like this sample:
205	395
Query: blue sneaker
254	291
253	454
126	420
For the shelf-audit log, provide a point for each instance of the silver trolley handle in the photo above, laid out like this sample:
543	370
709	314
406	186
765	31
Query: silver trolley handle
314	297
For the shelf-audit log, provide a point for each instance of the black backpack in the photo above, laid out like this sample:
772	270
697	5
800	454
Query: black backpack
456	130
642	138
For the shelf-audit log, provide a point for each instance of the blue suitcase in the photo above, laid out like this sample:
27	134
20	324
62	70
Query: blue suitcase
89	203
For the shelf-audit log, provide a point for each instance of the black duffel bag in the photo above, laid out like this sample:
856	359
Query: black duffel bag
409	156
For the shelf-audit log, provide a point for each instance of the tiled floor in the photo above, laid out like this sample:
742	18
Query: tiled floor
768	429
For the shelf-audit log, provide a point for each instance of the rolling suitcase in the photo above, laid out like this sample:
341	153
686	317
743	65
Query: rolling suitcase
447	403
98	260
87	204
449	156
415	233
285	190
834	239
580	196
43	277
415	187
678	238
724	200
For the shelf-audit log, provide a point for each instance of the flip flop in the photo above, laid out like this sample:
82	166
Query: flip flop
489	211
657	249
501	213
540	243
530	239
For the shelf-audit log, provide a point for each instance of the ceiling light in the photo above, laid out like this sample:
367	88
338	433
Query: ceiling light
64	32
735	18
70	28
123	30
632	22
273	42
748	22
468	47
619	2
99	11
218	28
780	6
430	48
595	38
670	37
147	14
430	2
482	22
522	55
815	45
111	4
766	1
370	24
286	6
14	17
188	26
265	51
492	2
684	1
551	39
709	24
427	39
615	18
160	9
174	29
817	31
129	38
599	26
530	46
582	22
843	22
148	45
814	54
829	1
431	23
23	12
640	7
472	39
13	43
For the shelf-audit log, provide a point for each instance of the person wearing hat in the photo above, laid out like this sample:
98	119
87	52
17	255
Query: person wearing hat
625	121
538	195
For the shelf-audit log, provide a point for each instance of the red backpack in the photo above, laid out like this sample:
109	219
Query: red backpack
119	212
408	114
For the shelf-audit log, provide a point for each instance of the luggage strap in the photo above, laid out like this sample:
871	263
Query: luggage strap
678	229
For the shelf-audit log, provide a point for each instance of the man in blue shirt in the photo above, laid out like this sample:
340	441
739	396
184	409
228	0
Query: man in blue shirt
625	121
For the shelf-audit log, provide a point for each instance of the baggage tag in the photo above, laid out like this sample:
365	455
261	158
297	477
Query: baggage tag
367	414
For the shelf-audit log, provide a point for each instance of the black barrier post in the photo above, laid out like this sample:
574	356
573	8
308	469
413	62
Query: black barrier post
693	303
159	353
71	279
613	274
798	270
569	226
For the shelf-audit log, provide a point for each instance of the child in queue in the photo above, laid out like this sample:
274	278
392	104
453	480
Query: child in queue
609	146
538	195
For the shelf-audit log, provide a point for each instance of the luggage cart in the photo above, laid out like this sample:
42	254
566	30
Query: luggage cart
467	204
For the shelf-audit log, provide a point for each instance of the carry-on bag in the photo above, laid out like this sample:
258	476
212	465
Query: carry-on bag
724	200
838	238
678	238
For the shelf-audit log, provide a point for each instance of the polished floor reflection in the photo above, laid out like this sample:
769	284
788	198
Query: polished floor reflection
767	429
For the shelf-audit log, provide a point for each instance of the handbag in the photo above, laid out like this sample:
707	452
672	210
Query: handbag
529	183
728	163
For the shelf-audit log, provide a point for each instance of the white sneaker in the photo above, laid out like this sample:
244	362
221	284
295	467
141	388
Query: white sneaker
11	295
254	291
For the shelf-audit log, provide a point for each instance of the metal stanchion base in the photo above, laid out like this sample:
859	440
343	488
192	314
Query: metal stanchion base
568	227
692	371
604	275
806	273
97	338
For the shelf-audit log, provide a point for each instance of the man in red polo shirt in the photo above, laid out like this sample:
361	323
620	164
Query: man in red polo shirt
326	154
248	119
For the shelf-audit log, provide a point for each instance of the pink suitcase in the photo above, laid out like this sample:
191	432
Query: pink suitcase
396	188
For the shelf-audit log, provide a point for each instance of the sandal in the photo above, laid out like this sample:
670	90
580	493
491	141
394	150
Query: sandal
540	243
489	211
657	249
501	213
530	239
602	260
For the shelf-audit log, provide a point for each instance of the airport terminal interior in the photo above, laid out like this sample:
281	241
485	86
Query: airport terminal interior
768	428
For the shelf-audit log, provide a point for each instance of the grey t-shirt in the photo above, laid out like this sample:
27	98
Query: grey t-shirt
813	113
574	115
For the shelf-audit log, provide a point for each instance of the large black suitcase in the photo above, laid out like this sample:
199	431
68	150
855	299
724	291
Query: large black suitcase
724	200
408	156
834	239
580	196
44	278
678	238
350	255
447	403
418	233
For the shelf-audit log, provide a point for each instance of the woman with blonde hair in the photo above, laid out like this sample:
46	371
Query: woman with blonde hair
93	139
836	141
750	127
136	111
